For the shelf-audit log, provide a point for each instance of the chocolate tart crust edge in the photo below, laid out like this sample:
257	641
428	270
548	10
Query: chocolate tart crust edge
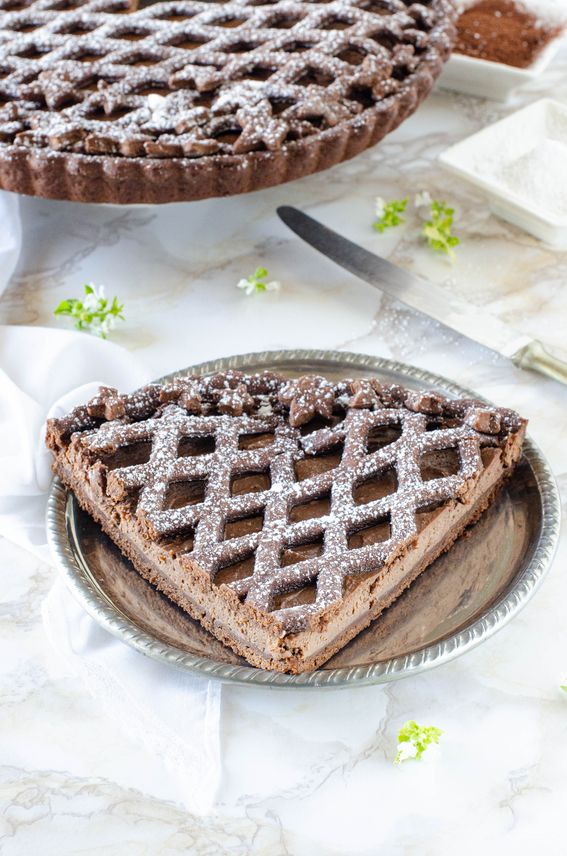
131	181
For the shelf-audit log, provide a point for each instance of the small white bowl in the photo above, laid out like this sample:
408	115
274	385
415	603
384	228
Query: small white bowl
483	159
493	80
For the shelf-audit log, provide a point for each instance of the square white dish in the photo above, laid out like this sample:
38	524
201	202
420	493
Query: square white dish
505	160
493	80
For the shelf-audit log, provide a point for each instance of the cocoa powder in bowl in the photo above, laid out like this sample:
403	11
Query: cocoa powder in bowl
502	31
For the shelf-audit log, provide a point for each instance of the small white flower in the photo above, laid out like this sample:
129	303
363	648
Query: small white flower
406	750
96	328
94	312
102	327
91	300
422	199
108	324
247	286
252	285
380	207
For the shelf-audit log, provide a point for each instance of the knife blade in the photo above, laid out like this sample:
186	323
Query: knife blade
425	296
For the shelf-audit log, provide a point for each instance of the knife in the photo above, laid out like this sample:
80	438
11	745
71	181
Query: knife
425	296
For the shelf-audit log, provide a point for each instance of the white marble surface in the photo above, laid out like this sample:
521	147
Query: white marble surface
309	772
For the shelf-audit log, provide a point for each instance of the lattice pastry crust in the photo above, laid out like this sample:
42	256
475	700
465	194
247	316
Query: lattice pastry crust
281	496
103	101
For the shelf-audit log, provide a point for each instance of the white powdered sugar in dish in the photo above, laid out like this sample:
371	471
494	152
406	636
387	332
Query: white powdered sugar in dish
521	164
534	167
540	175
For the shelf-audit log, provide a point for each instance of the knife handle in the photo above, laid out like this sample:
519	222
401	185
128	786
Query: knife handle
536	357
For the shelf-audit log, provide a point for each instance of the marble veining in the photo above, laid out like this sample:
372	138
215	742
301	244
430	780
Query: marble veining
304	773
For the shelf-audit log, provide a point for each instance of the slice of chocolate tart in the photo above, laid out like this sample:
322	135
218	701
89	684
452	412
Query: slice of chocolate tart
284	515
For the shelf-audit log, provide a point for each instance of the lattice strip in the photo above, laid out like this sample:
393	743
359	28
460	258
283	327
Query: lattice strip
86	79
209	517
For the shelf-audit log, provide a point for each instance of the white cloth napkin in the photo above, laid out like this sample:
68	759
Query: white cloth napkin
10	236
45	372
173	715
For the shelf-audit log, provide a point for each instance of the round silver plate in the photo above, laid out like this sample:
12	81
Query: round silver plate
462	599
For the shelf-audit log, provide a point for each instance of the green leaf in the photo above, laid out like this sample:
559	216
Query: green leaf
257	280
65	307
391	216
91	318
420	737
116	309
437	230
563	687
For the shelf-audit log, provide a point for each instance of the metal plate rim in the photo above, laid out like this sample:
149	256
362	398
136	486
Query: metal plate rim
496	617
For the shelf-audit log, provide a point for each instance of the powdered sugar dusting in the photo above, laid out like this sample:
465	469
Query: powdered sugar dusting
191	78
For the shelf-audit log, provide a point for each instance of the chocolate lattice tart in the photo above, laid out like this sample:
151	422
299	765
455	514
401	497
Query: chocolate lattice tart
284	515
102	101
